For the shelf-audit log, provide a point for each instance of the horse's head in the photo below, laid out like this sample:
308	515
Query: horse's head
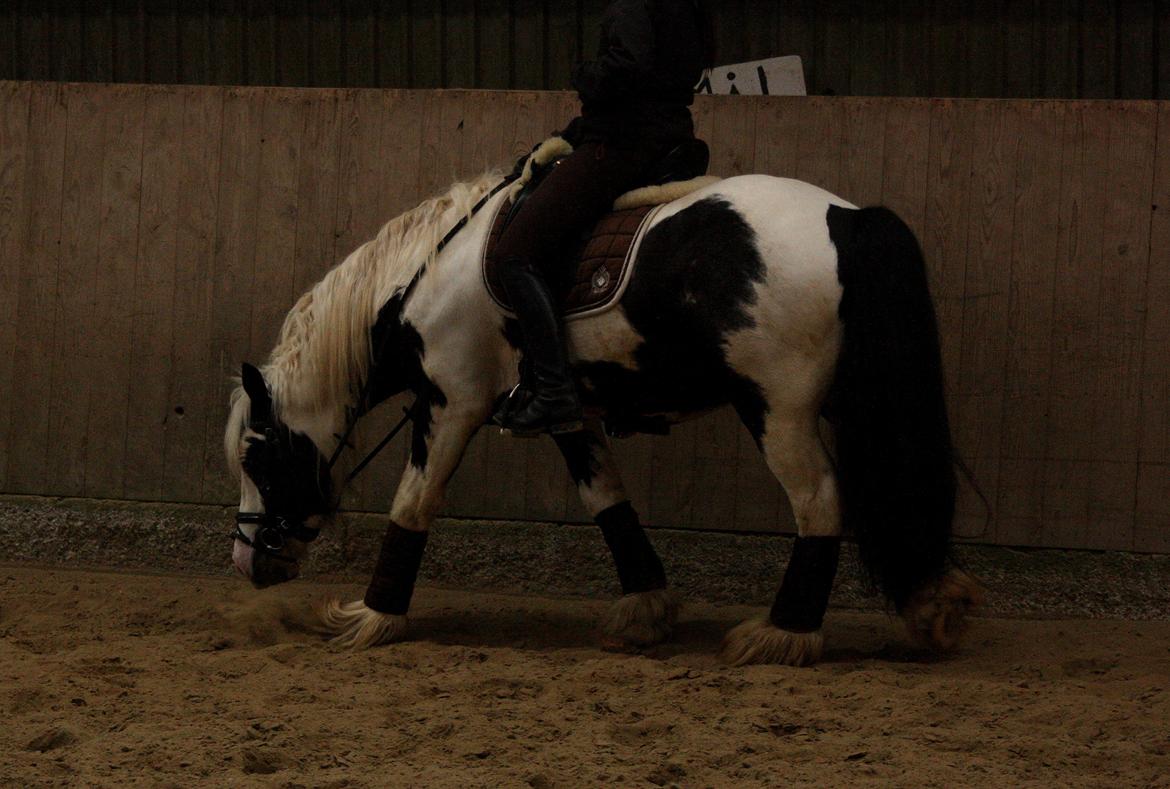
285	486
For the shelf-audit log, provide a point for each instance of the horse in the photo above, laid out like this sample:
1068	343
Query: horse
771	295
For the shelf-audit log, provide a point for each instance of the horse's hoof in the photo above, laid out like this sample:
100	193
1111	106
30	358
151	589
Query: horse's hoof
641	619
760	641
354	626
936	616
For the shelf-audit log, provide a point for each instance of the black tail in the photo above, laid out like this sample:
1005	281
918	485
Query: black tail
894	456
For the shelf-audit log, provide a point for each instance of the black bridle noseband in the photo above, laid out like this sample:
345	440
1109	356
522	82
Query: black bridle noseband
276	529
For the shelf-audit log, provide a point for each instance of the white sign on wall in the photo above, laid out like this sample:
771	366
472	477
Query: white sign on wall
772	77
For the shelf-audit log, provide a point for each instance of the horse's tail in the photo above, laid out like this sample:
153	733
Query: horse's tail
895	461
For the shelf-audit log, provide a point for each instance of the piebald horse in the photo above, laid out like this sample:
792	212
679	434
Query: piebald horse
768	294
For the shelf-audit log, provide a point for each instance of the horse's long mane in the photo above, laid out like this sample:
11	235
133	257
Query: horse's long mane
323	352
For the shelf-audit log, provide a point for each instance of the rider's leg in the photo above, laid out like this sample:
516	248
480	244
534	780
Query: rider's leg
575	194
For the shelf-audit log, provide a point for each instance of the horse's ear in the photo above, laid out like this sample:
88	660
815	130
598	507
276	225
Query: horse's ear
256	390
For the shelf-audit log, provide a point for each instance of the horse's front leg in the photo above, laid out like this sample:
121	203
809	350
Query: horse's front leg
440	437
647	611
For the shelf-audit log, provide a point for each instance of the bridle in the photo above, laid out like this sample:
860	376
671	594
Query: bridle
275	529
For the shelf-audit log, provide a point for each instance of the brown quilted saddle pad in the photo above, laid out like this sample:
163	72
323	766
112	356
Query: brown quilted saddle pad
603	260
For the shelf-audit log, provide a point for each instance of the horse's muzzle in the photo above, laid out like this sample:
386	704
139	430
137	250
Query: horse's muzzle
269	570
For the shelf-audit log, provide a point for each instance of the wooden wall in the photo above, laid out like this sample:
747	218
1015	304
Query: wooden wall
971	48
153	237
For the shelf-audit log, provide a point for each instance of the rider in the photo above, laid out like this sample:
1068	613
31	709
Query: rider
635	100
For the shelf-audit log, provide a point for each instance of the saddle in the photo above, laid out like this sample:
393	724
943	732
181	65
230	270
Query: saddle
604	255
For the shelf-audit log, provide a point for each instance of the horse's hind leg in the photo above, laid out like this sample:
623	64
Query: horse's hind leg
647	611
791	634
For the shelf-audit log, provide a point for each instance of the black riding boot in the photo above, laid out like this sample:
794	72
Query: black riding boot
552	405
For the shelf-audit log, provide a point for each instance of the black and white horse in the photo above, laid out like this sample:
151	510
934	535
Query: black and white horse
764	293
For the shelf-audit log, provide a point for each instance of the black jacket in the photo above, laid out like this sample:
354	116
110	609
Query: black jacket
640	87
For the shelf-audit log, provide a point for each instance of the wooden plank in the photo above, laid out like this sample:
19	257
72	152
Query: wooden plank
232	293
194	46
733	142
1059	49
359	215
944	240
1155	417
819	149
947	50
459	45
427	59
113	292
908	32
673	477
152	329
906	161
194	396
358	46
1021	71
1125	261
326	42
317	187
490	127
563	44
69	50
731	23
979	405
295	29
794	33
1162	61
869	61
1098	41
394	44
1029	352
15	99
528	45
8	48
492	23
259	25
778	134
442	142
162	45
276	217
31	35
129	43
74	364
863	150
225	44
1136	30
99	49
833	49
591	13
1152	531
1076	298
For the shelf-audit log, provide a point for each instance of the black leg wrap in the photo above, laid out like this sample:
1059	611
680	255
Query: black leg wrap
390	589
804	595
638	566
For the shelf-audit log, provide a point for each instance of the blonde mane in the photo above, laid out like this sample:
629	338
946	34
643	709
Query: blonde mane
323	353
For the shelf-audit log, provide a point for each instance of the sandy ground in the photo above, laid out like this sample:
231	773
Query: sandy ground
109	679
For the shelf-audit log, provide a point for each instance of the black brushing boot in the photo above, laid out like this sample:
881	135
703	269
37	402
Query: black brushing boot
552	406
